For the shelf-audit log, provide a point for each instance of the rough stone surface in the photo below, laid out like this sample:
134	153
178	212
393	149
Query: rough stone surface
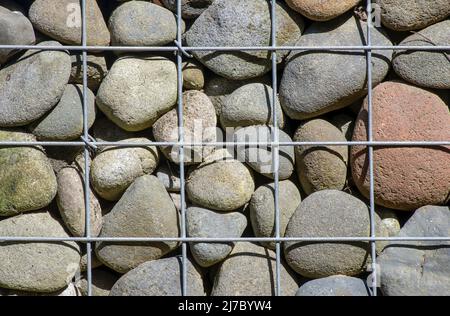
218	88
222	185
26	176
315	83
262	209
249	270
169	175
65	120
200	122
330	213
15	29
71	200
137	91
102	282
159	278
237	23
405	178
336	285
320	168
345	123
190	9
115	168
96	70
259	158
417	268
193	75
322	10
70	290
426	69
210	224
95	263
408	15
145	210
53	265
127	20
251	104
60	20
32	85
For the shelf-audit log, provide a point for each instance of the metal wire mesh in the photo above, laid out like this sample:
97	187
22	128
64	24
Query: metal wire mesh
87	142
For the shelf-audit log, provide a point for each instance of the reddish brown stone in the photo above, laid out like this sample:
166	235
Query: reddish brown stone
405	178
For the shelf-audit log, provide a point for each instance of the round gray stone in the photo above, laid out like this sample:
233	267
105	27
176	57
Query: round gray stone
222	185
60	20
218	88
32	85
237	23
425	69
15	29
251	104
190	9
27	179
145	210
159	278
408	15
115	168
205	223
336	285
71	203
65	120
249	270
259	157
318	167
199	118
127	20
417	268
137	91
330	213
315	83
36	266
96	70
262	209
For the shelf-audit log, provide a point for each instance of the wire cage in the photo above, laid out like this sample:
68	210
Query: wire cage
88	142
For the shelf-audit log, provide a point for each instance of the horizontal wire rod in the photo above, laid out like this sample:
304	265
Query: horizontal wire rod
217	239
312	143
224	48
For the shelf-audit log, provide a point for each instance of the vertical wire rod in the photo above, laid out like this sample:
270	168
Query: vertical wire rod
370	150
181	150
86	151
275	149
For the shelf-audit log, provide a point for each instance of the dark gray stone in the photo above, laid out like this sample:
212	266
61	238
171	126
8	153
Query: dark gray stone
159	278
15	29
315	83
336	285
32	85
65	120
126	21
426	69
330	213
237	23
145	210
206	223
416	268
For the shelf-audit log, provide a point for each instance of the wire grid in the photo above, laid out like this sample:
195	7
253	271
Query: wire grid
89	142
